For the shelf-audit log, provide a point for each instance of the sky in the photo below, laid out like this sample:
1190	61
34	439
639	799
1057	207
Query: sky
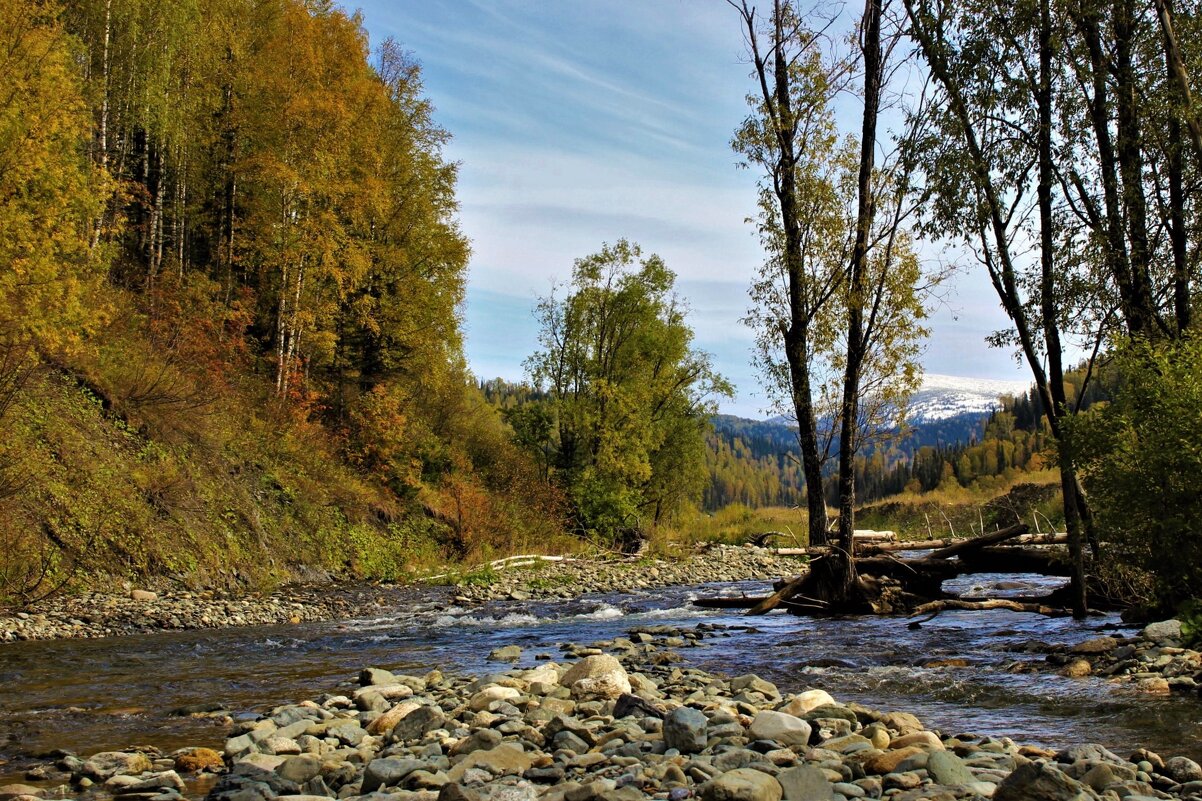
581	122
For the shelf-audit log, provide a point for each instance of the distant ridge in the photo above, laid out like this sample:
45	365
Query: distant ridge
942	397
945	396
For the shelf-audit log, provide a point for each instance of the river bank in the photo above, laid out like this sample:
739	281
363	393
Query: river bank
129	610
616	719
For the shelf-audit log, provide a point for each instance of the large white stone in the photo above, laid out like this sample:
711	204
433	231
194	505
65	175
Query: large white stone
545	674
806	702
780	726
486	696
598	675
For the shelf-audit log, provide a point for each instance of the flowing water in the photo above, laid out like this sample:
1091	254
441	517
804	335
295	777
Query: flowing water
92	695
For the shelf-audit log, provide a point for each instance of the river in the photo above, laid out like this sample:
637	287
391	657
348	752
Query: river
92	695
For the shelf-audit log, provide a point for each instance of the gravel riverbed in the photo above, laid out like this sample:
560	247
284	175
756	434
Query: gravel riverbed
618	719
131	610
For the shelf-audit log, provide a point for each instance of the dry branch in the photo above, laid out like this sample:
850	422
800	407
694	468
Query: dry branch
992	538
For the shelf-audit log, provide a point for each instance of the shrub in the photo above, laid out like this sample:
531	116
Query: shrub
1141	456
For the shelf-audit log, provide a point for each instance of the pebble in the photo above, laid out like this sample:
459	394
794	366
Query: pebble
682	733
1153	662
124	611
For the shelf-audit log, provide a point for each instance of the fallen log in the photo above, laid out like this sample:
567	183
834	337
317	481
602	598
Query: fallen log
520	560
774	600
727	602
972	544
931	545
1015	559
935	607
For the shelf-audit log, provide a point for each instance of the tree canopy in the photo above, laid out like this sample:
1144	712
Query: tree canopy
630	396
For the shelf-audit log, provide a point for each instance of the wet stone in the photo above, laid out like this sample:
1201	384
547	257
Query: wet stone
743	784
805	783
1183	770
948	769
686	730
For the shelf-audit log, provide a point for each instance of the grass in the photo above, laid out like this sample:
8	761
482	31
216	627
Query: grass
1032	498
733	525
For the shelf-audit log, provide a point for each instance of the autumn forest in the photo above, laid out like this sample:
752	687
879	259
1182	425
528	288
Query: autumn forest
232	281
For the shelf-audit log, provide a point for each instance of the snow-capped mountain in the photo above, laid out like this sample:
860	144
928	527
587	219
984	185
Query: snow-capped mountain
944	396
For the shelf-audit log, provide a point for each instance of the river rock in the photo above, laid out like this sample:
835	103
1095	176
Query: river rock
250	783
195	760
504	760
480	740
547	673
687	730
888	761
781	727
805	783
807	701
1182	769
1154	685
486	696
902	722
99	767
143	595
263	761
1098	645
281	746
742	784
300	769
1104	774
457	792
13	791
151	783
506	653
1091	752
1163	631
388	772
372	676
388	721
753	683
418	723
597	675
1077	669
923	739
1036	781
948	769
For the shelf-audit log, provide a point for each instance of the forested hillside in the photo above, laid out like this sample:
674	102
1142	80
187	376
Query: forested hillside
755	463
230	288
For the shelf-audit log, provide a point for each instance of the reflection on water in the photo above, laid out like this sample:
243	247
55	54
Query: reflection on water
90	695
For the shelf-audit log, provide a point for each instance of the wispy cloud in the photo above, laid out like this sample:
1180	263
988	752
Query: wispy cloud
578	123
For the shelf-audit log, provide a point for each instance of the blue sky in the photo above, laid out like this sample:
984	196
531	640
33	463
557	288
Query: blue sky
578	122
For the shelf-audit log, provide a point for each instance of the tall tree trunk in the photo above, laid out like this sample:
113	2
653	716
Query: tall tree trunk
1117	256
102	124
807	433
999	262
842	575
778	106
1179	76
1131	169
1179	105
1048	304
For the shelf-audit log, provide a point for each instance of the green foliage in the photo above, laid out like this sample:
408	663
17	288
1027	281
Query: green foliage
484	576
629	395
50	195
1190	615
272	376
1141	456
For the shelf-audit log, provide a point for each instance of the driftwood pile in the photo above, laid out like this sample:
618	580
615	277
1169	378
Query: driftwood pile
915	584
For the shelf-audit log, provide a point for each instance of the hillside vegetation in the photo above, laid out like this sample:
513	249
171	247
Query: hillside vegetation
230	288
